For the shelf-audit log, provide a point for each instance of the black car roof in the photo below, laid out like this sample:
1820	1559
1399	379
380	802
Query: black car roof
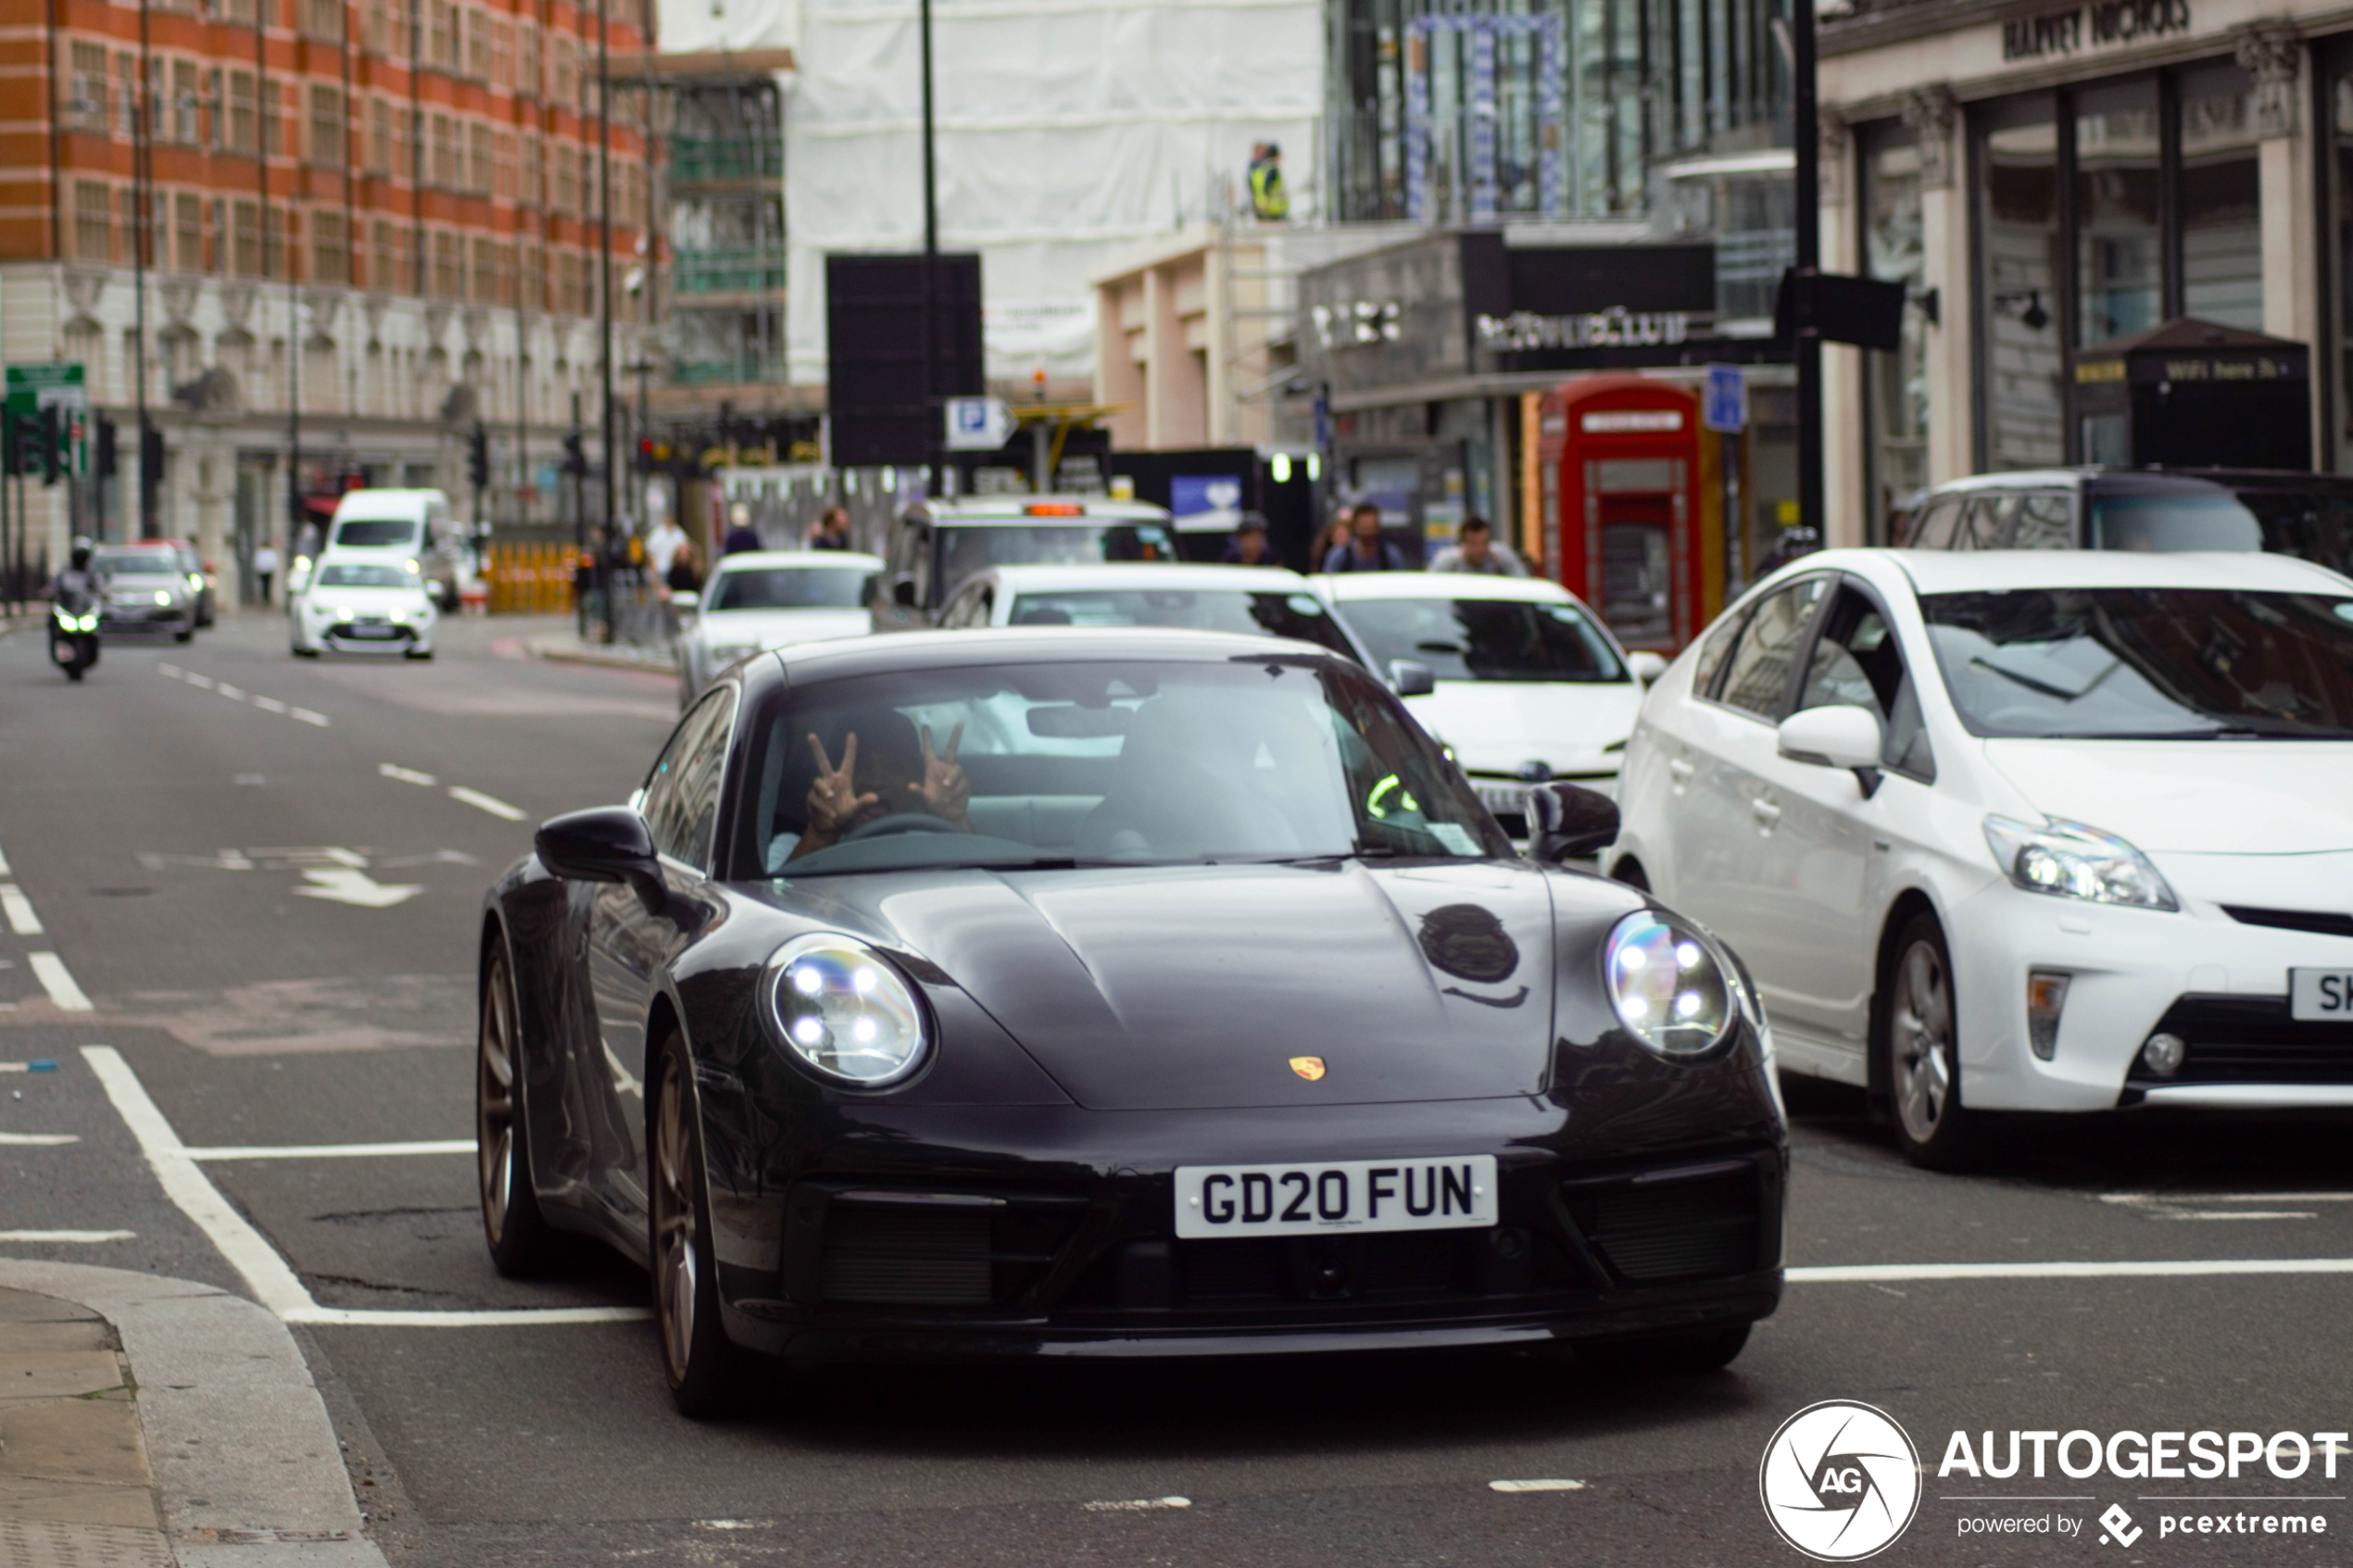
1019	645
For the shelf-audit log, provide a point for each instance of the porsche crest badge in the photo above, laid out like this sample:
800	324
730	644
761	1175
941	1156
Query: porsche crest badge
1308	1067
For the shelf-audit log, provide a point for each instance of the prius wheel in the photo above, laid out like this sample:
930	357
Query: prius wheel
1921	1050
511	1223
703	1366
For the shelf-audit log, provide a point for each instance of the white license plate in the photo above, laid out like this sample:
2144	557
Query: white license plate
1449	1192
2320	996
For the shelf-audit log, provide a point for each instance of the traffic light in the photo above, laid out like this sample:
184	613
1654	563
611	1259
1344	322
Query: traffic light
105	463
8	439
575	458
478	458
150	457
52	436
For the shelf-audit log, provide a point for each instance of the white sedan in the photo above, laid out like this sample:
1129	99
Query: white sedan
1528	684
362	606
2021	831
762	599
1255	600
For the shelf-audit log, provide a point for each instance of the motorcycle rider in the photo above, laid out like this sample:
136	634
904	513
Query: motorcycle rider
74	591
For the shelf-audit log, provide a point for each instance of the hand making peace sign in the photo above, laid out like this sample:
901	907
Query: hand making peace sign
943	790
833	800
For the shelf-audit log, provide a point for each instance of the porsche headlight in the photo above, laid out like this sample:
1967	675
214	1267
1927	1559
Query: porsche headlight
1671	989
844	1010
2070	860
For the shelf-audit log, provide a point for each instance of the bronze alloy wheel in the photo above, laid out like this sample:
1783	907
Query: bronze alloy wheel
703	1367
511	1223
1923	1052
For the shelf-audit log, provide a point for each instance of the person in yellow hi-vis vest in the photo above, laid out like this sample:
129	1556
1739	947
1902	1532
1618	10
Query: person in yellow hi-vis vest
1269	201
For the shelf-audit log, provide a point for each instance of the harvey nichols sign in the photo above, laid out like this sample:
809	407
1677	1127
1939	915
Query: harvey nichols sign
2102	24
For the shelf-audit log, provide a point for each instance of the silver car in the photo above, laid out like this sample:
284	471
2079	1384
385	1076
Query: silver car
145	591
763	599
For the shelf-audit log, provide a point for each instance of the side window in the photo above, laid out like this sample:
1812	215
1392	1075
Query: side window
1711	649
1933	530
1857	663
684	830
660	802
2046	522
1757	674
1985	523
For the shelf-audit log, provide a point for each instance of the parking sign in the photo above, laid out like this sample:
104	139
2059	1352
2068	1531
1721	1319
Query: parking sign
1725	408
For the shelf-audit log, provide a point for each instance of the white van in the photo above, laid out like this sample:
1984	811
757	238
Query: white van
381	525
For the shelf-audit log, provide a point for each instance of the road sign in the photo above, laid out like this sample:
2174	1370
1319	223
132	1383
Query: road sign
978	424
48	384
1725	408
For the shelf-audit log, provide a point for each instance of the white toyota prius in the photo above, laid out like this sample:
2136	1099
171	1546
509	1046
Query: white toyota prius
2021	831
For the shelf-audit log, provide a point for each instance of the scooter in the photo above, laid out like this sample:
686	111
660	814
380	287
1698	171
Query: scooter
73	638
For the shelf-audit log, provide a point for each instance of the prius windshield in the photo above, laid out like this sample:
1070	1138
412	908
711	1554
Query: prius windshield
2147	663
1472	639
789	587
1298	614
1055	765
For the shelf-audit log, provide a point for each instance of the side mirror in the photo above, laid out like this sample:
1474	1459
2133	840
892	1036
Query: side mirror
1647	666
1567	820
685	601
607	844
902	591
1408	679
1838	736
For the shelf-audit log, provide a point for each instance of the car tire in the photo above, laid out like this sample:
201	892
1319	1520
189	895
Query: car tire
1629	871
418	653
305	653
1688	1353
703	1367
1918	1048
512	1222
185	634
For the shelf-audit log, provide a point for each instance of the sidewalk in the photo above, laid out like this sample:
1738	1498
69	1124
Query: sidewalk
157	1422
571	649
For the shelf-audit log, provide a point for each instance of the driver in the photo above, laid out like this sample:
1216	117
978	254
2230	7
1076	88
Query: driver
76	582
900	772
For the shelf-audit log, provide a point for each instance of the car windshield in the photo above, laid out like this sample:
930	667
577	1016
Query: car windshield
375	533
2184	520
967	548
789	587
1297	614
1057	765
357	575
1473	639
136	563
2147	663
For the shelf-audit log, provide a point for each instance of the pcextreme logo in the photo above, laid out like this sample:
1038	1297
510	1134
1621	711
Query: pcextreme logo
1840	1480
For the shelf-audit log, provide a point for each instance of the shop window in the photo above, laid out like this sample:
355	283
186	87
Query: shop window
2119	239
1896	383
2222	200
2019	350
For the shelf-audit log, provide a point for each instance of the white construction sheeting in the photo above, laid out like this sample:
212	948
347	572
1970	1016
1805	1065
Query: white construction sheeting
1069	131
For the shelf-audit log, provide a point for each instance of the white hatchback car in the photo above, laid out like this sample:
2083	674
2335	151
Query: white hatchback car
1529	686
2021	831
762	599
361	603
1255	600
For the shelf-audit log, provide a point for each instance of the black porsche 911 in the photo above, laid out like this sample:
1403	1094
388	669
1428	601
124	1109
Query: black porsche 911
1074	993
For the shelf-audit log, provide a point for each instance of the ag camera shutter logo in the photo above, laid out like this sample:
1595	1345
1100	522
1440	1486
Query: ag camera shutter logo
1840	1481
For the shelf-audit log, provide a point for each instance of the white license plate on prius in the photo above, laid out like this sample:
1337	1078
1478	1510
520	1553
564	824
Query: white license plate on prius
1445	1192
2320	996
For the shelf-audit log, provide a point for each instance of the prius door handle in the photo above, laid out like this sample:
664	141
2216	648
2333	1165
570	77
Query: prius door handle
1765	812
1681	770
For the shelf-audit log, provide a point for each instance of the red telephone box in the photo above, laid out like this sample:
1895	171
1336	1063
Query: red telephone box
1632	504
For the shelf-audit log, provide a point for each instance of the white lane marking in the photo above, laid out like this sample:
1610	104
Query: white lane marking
202	682
307	717
345	885
406	775
37	1140
339	856
1864	1274
234	693
274	1284
173	670
2158	1197
331	1150
1135	1505
4	864
21	919
1538	1485
269	705
490	803
58	980
72	1236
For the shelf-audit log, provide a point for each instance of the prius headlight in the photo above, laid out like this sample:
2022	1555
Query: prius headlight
1671	988
2070	860
844	1010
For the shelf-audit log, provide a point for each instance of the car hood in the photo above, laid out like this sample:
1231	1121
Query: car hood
2206	798
1194	988
776	628
1496	725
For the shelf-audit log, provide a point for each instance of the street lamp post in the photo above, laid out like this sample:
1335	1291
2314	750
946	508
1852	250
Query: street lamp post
931	269
1805	342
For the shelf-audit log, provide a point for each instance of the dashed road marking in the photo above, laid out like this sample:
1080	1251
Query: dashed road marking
21	919
37	1140
307	717
490	803
269	705
406	775
58	980
2176	1268
234	693
238	694
331	1150
1135	1505
1540	1484
70	1237
202	682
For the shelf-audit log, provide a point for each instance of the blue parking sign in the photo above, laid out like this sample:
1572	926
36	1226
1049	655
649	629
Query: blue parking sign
1725	407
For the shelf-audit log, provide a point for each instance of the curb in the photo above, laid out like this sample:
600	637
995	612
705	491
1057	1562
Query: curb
247	1467
558	650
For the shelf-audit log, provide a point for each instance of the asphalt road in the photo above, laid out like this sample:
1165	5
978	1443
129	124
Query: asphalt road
272	908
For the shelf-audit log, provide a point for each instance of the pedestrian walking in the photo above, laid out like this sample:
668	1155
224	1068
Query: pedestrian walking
265	569
740	534
1365	550
1249	547
831	532
1475	550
